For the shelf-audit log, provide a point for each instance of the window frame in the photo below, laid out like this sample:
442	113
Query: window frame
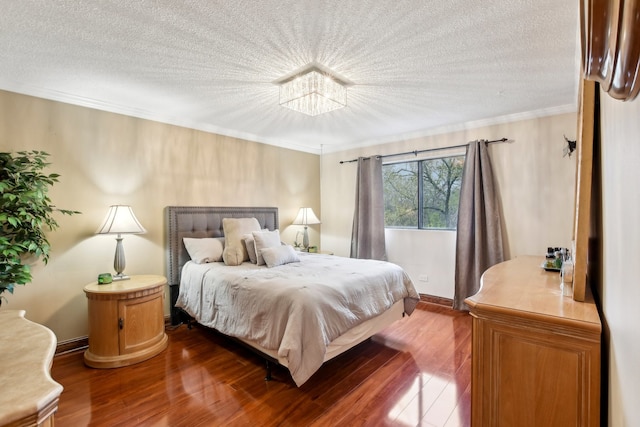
420	190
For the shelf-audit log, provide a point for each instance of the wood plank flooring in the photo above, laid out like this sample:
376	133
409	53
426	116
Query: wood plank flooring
416	372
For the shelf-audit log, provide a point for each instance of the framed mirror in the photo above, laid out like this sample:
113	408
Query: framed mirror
610	42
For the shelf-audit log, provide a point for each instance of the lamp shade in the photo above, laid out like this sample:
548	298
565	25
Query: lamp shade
306	216
121	220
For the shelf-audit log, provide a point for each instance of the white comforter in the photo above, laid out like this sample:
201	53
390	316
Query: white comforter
296	309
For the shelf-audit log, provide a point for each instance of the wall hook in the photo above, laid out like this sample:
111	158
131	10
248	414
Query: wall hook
569	148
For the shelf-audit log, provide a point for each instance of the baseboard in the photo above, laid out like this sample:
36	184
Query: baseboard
432	299
74	344
82	343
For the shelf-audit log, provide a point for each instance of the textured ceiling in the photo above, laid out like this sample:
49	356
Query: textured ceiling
417	66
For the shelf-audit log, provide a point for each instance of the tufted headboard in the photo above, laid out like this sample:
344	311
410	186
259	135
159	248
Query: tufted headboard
202	221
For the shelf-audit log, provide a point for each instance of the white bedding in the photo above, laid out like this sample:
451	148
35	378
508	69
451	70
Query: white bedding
296	309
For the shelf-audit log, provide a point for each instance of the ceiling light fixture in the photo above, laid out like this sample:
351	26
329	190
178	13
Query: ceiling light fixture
313	92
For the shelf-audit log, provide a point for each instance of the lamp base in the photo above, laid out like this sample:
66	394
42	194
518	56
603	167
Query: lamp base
305	239
118	261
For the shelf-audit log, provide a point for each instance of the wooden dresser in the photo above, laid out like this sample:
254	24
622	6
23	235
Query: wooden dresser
536	353
28	397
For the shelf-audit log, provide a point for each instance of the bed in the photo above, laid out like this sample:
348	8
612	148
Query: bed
299	313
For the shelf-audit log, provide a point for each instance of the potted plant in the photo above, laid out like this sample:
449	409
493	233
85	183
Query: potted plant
26	212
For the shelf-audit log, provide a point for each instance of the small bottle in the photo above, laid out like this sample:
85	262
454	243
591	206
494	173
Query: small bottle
558	261
567	276
550	252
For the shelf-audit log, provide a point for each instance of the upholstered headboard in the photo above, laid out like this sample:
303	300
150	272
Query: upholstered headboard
202	221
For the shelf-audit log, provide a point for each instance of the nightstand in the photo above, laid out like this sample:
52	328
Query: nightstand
126	321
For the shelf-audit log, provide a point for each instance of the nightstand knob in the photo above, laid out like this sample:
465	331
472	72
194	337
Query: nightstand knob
121	323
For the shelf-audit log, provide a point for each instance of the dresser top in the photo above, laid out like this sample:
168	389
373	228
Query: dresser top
134	283
522	287
26	351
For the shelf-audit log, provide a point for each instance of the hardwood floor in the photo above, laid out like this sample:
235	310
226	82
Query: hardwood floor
416	372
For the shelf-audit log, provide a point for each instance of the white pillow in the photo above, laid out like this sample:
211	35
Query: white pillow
251	247
263	240
250	244
235	252
208	249
279	255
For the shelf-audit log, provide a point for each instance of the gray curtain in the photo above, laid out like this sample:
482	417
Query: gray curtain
367	235
479	236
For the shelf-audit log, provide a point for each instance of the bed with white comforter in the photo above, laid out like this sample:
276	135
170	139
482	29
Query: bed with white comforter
297	309
297	312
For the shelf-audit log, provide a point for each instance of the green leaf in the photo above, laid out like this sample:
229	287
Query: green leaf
26	212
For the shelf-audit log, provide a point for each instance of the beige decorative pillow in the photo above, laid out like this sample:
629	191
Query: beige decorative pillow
235	252
208	249
279	255
263	240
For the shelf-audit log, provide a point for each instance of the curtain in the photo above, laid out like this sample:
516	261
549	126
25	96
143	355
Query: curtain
479	236
367	235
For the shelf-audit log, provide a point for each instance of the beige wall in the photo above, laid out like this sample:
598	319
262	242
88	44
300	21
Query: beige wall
106	159
621	252
535	181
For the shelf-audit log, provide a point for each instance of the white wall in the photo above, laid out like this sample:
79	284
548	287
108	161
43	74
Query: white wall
428	256
621	254
536	185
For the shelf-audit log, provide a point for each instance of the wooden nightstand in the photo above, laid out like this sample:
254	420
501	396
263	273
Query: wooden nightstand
126	321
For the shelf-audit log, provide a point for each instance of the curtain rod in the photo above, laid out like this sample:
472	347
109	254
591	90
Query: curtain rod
416	152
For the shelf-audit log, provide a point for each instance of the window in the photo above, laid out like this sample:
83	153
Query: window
437	192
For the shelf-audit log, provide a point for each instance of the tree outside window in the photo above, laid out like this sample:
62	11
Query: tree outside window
430	202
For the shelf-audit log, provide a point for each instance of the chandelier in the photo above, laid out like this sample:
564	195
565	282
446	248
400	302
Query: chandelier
313	92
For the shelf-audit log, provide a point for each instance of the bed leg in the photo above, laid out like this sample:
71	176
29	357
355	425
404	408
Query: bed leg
268	376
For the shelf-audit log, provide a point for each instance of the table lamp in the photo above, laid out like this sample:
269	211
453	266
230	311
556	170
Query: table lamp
305	217
120	220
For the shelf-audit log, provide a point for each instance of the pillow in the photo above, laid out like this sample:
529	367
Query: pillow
279	255
263	240
235	252
208	249
250	244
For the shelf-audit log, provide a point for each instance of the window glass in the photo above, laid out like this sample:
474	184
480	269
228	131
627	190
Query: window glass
441	179
437	193
400	182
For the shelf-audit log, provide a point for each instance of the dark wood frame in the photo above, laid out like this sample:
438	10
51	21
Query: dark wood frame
610	38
